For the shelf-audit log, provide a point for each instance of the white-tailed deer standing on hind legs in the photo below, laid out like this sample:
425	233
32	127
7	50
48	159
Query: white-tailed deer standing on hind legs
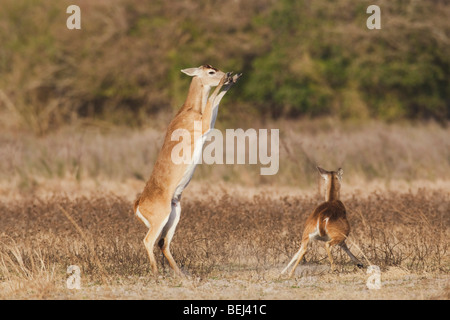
158	206
327	223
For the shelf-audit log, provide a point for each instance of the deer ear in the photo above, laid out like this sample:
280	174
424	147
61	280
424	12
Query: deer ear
191	71
340	173
323	172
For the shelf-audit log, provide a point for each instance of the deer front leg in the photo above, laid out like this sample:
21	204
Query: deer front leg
231	80
207	113
210	113
224	81
228	84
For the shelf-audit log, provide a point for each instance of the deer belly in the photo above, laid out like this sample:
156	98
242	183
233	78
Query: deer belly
187	176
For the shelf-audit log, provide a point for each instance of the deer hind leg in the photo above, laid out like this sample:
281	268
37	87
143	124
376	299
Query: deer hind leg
328	245
336	238
167	235
297	257
358	263
156	226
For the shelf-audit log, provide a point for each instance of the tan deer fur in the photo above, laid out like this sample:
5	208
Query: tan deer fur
328	222
158	206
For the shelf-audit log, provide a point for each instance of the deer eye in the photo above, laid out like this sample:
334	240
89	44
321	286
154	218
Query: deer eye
211	72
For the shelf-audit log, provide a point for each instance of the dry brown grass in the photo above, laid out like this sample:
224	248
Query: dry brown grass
66	199
366	152
230	247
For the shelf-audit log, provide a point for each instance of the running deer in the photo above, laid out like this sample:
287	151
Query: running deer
158	206
328	222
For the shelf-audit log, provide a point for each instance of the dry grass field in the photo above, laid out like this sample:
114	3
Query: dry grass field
66	199
229	246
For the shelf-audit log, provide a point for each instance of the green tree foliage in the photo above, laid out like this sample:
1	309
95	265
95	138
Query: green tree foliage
299	58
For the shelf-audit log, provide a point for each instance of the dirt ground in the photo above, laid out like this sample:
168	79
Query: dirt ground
396	284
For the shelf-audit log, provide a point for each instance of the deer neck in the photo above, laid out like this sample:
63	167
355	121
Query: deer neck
197	95
332	191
